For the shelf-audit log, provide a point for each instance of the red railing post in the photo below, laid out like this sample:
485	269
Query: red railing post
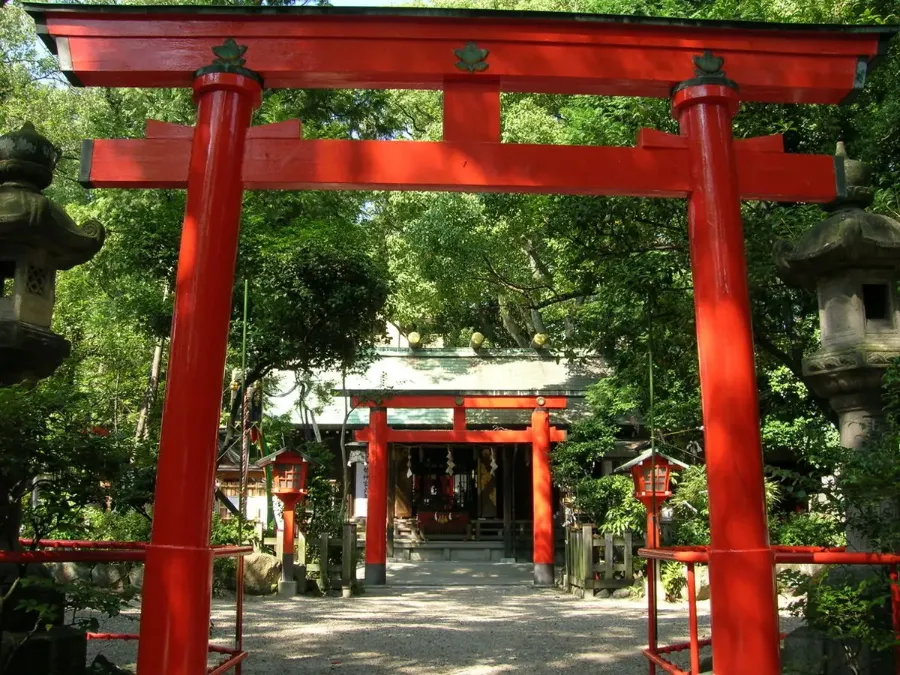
895	614
692	620
652	631
177	587
744	613
239	619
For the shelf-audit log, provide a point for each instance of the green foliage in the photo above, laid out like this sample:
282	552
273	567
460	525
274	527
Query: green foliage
673	579
322	506
576	460
316	298
808	529
847	607
48	444
691	506
84	600
609	503
222	533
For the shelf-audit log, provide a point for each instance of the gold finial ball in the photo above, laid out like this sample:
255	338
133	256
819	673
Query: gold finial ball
414	338
477	339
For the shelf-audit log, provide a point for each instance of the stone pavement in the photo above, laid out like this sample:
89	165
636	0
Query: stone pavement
414	574
503	626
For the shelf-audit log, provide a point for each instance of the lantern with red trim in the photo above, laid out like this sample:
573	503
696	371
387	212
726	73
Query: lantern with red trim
289	472
652	474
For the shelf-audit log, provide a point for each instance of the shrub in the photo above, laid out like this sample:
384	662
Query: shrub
224	532
808	529
609	502
673	578
116	526
846	607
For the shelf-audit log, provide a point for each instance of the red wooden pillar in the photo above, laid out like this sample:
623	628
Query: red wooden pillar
741	567
175	611
376	514
652	537
542	497
287	537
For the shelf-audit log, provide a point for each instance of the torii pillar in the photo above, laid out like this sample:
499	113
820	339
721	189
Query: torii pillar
178	584
376	509
542	494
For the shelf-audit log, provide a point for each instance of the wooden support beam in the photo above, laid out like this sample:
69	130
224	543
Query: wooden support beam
295	164
459	419
485	436
472	111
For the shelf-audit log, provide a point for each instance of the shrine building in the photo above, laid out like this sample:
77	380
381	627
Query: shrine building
459	478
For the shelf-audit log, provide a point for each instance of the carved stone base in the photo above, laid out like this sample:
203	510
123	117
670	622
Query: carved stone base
28	352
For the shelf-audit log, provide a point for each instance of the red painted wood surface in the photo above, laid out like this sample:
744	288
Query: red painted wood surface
376	504
459	419
542	487
466	402
404	50
283	164
472	111
486	436
741	565
178	579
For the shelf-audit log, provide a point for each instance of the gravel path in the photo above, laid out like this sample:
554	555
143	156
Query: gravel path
482	630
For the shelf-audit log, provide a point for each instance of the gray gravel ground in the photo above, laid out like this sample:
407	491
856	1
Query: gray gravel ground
475	630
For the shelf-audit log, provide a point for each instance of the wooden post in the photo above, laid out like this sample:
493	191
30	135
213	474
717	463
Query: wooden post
507	460
300	562
391	499
610	554
324	578
629	568
587	559
348	560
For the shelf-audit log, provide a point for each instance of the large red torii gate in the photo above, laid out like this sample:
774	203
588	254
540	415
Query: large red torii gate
472	56
539	436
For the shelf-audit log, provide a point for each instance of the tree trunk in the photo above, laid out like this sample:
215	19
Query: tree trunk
345	467
142	431
511	326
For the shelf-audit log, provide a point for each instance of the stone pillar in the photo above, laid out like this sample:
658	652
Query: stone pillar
852	261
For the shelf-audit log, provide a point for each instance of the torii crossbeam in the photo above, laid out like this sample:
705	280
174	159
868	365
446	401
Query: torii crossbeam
707	68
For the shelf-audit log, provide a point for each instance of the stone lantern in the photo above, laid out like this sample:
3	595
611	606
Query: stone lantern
852	260
37	238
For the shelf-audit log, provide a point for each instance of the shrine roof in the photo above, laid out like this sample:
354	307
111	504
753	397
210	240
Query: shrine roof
401	371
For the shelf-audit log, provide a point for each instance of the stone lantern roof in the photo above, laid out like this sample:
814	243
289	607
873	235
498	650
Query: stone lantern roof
849	238
28	220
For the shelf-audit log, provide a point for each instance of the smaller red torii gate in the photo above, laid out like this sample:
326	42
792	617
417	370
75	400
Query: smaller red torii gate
540	435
